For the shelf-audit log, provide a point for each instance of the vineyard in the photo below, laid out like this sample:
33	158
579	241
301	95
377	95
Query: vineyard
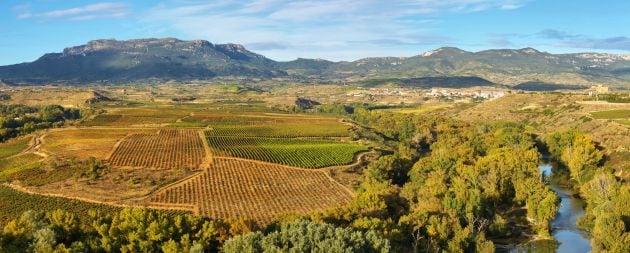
138	116
307	128
11	168
13	203
168	149
236	188
292	152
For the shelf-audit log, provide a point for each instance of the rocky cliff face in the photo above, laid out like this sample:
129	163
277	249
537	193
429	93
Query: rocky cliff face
172	59
121	61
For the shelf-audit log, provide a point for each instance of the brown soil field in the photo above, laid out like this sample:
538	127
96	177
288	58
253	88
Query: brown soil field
116	186
85	142
239	188
168	149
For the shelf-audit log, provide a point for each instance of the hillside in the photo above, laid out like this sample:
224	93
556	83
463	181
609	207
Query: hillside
112	61
166	59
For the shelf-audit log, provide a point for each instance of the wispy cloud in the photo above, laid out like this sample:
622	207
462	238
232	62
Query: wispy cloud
556	34
333	29
87	12
566	39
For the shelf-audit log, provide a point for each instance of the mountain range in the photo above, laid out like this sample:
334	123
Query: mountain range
113	61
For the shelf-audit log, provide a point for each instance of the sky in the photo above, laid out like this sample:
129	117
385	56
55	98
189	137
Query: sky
328	29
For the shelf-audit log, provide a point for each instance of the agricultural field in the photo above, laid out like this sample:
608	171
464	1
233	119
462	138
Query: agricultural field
424	108
139	116
14	146
118	185
13	203
305	128
35	97
23	168
86	142
236	188
612	114
166	149
102	120
292	152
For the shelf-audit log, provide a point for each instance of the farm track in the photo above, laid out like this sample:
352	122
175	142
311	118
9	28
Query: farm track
209	192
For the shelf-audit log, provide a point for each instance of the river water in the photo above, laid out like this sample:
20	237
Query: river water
568	238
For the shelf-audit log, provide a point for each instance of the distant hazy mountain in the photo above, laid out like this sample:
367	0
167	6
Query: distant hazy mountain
172	59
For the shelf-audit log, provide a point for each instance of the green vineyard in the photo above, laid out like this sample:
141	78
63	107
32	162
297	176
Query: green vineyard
308	129
13	203
292	152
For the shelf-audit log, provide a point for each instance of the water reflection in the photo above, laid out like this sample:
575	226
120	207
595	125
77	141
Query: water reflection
568	238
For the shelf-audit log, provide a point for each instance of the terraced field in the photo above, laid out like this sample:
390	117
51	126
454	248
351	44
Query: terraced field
168	149
237	188
292	152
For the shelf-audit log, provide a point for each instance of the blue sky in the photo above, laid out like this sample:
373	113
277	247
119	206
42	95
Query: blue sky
328	29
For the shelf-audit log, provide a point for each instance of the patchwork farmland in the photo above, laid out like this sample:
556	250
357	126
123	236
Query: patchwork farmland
220	164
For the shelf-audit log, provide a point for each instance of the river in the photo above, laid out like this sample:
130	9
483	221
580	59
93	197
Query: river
568	238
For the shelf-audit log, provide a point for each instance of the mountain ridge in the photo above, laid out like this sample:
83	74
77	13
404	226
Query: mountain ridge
119	61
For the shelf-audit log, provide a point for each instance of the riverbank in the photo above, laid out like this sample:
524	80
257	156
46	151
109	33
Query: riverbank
567	237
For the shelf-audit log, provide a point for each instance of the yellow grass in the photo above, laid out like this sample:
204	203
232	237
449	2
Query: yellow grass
83	143
14	146
43	96
421	109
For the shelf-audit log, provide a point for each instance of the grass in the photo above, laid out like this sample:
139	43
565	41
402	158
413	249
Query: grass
612	114
66	97
103	119
11	166
13	146
188	124
35	176
83	143
623	122
141	116
292	152
420	109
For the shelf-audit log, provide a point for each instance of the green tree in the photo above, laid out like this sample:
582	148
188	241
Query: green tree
581	155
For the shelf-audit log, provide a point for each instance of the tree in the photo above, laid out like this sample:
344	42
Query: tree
610	235
581	155
307	236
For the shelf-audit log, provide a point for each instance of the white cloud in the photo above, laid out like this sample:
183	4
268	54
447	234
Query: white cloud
334	29
87	12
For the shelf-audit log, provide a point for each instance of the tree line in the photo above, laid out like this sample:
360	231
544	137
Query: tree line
445	186
607	197
17	120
